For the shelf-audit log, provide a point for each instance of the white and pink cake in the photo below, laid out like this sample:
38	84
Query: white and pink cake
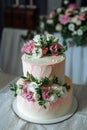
44	92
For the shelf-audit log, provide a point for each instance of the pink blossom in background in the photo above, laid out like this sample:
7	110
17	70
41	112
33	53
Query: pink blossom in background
82	16
28	47
72	6
64	19
52	14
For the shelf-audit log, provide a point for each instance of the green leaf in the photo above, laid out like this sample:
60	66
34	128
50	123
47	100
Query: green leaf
67	86
42	103
55	80
45	80
14	87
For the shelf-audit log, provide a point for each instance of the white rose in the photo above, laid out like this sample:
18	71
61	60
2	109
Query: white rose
74	20
50	21
37	53
79	32
36	38
78	22
71	27
59	10
55	86
58	27
32	86
52	98
63	92
36	96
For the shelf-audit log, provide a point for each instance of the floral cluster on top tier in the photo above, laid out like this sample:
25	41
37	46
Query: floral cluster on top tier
43	45
70	21
41	91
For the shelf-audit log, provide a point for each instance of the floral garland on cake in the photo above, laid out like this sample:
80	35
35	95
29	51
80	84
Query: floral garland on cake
41	91
43	45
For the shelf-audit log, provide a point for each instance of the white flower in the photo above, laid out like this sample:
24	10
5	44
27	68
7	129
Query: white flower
59	10
50	21
63	92
58	27
42	25
48	36
36	96
66	2
74	19
74	33
71	27
36	38
55	86
78	22
83	9
60	89
79	32
52	98
32	86
37	53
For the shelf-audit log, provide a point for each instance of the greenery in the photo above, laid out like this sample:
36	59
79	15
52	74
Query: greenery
70	21
44	88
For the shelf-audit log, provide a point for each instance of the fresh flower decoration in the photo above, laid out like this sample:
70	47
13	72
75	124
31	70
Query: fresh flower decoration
42	91
70	21
43	45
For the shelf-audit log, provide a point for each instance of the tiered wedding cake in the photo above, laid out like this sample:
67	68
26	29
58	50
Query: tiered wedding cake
43	92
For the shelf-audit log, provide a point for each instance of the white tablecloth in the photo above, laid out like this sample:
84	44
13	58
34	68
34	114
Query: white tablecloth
10	58
10	121
10	55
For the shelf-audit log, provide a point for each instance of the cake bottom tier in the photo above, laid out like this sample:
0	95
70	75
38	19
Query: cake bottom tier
53	109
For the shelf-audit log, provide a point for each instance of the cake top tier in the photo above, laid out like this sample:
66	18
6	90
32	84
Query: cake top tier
43	45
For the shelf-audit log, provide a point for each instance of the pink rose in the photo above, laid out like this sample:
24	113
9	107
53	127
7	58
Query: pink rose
52	14
64	19
72	6
54	48
28	95
28	47
82	16
45	94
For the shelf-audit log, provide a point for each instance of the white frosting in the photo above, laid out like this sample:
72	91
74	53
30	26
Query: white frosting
48	60
45	66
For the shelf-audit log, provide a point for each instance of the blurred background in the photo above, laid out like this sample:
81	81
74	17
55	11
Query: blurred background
43	6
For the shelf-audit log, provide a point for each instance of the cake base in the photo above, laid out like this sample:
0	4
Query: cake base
26	117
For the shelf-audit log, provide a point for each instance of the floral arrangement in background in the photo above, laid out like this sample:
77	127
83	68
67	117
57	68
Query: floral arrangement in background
43	45
41	91
69	20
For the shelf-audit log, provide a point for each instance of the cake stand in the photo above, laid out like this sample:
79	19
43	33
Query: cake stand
25	117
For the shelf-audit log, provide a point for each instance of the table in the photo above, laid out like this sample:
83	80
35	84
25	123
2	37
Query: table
10	53
10	121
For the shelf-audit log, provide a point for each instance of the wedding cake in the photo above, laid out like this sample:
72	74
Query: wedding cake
43	92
